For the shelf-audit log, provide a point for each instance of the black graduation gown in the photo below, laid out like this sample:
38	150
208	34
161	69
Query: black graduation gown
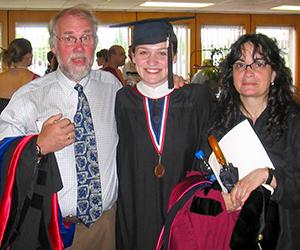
285	156
30	212
143	198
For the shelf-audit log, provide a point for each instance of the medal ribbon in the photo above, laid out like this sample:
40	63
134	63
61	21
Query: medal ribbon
157	136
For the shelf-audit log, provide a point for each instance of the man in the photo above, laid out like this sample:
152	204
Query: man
116	59
159	130
47	107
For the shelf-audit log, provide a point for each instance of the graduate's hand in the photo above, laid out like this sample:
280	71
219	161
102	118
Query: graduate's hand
56	133
179	81
243	188
230	207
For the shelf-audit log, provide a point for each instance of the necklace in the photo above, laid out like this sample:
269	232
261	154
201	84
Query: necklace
157	134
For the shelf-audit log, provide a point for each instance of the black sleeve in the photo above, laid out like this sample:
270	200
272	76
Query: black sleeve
206	105
287	168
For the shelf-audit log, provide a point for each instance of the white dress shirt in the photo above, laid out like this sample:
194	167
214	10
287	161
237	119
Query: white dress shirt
54	93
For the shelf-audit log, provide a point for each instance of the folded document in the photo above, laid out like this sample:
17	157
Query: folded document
242	147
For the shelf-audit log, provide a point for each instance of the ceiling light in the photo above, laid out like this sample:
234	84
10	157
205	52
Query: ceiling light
175	4
287	7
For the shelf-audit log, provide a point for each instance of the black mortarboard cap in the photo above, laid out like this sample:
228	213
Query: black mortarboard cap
155	30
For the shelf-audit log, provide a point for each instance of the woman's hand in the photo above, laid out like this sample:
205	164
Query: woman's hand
230	207
243	188
179	81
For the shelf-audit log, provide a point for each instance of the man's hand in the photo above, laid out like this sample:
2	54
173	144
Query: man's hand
179	81
56	133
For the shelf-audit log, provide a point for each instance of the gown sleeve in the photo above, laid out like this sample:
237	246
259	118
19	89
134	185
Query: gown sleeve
28	194
287	169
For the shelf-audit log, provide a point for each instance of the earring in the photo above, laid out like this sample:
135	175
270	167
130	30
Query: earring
272	83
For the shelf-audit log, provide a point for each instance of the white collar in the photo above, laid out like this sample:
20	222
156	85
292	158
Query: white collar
154	93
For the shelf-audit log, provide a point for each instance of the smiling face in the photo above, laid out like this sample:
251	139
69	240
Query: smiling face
252	83
152	63
75	60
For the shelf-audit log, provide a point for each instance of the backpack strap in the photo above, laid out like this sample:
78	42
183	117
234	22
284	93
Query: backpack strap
163	240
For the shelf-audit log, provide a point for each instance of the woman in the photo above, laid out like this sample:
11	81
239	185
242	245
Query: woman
102	58
159	130
257	86
52	62
15	61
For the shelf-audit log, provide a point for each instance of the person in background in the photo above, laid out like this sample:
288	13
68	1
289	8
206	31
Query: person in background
15	62
159	130
207	75
52	62
116	59
102	58
131	76
256	85
50	107
201	76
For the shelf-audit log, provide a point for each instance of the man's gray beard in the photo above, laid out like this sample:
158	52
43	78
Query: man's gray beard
73	74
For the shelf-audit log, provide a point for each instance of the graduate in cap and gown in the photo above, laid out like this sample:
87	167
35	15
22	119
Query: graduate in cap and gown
159	130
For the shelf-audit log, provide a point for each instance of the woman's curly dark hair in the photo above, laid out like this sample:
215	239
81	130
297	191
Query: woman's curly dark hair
282	95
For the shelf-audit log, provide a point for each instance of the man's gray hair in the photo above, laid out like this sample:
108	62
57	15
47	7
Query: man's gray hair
78	10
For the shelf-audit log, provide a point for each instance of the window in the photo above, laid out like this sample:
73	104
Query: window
38	35
217	39
0	45
285	37
112	36
183	36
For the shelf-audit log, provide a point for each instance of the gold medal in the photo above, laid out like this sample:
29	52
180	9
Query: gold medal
159	170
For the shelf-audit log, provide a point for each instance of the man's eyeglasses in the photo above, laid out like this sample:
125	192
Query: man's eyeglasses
256	65
72	40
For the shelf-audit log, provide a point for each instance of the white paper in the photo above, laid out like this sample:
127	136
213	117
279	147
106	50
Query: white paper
243	149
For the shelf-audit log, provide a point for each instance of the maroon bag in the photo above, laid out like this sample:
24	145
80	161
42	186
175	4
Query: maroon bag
197	217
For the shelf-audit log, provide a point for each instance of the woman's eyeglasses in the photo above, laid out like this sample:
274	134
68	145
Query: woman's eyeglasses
257	65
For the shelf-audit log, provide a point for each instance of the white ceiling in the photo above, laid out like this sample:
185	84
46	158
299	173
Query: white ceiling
227	6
